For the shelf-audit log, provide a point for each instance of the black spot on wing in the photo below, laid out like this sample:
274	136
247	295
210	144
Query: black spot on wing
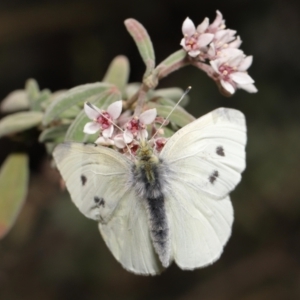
83	179
99	201
220	151
213	177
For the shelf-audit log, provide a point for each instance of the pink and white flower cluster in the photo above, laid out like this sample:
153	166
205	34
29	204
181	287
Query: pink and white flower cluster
123	136
219	46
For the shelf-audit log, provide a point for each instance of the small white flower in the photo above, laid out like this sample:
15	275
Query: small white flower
104	141
231	72
119	141
102	119
195	39
217	24
223	38
136	127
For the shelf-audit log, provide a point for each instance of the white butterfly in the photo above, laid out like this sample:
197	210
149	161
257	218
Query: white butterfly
160	208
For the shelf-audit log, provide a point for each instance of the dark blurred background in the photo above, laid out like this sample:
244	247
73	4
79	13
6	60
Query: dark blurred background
54	252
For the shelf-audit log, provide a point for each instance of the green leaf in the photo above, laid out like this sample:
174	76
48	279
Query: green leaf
179	116
13	189
50	147
165	101
19	122
37	104
32	89
131	89
72	97
143	42
16	100
72	112
54	134
75	132
118	72
172	94
168	132
172	62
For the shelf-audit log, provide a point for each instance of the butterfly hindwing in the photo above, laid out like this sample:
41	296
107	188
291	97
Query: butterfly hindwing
200	227
127	236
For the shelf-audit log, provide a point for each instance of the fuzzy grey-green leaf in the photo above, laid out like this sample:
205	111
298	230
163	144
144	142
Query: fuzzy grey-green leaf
72	97
173	93
172	62
32	89
143	42
16	100
179	116
53	134
118	72
14	177
20	121
37	104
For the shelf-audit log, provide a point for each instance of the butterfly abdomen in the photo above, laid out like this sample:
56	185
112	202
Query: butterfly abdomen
148	181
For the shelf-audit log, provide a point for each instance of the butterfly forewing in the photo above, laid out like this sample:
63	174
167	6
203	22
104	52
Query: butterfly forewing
209	153
95	177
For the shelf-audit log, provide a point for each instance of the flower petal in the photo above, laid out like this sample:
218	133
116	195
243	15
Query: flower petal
250	88
182	43
104	141
236	43
246	63
204	39
188	27
228	86
217	22
194	53
203	26
211	50
241	78
235	60
119	141
231	52
142	134
215	65
91	127
128	136
91	111
228	37
115	109
107	133
148	116
220	34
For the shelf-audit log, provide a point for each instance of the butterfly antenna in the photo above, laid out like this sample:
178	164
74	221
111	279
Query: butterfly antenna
166	119
99	111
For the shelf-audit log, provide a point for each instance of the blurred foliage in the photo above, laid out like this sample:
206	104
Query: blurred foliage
53	252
